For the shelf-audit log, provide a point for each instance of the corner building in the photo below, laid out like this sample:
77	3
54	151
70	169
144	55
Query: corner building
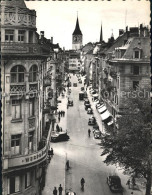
23	63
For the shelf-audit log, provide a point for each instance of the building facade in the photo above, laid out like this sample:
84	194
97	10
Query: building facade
28	77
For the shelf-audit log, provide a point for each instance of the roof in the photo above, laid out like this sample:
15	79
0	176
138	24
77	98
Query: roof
77	30
14	3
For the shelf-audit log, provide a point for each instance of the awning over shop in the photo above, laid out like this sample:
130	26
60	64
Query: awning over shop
95	95
102	109
110	123
105	115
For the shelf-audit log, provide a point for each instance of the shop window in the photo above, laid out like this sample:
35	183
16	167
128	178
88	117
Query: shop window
21	34
13	184
135	84
17	74
27	179
16	109
33	73
30	141
9	35
31	107
136	70
15	144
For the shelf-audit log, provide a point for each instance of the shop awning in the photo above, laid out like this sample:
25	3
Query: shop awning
110	123
95	95
102	109
105	115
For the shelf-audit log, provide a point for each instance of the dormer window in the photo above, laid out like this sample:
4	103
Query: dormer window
137	53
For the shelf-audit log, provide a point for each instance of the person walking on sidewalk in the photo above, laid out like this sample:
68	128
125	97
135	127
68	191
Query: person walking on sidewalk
59	118
59	113
55	192
89	131
60	189
63	113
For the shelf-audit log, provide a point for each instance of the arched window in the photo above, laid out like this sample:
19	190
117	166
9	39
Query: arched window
33	74
17	74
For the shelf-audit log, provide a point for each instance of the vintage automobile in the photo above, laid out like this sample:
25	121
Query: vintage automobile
92	121
74	84
97	133
89	111
87	106
70	102
114	183
61	136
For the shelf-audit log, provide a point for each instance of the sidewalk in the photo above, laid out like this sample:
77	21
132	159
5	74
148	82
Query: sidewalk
140	188
56	169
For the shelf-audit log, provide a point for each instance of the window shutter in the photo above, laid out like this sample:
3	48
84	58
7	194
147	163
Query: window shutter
17	183
28	179
8	185
13	112
30	109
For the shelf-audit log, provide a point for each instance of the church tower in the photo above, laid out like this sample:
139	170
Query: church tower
77	37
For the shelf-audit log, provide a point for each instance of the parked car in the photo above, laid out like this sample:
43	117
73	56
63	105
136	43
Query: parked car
82	88
74	84
114	183
97	133
87	106
70	103
86	102
92	121
89	111
61	136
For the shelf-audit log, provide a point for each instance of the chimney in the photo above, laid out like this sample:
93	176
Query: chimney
52	40
121	31
64	49
141	30
41	34
126	28
146	32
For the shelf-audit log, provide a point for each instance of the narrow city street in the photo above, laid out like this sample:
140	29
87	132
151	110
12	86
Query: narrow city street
83	153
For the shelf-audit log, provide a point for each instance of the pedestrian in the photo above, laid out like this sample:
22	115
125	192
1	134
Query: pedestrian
89	131
59	113
51	152
67	165
60	189
60	129
67	106
63	113
57	127
59	118
128	183
55	192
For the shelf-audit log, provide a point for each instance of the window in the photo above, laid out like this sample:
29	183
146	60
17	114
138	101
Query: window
13	184
33	73
9	35
21	35
30	141
135	84
17	74
136	70
137	54
27	179
15	144
30	36
16	109
31	107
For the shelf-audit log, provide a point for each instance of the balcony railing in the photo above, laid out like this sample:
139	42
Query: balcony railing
24	48
17	89
31	123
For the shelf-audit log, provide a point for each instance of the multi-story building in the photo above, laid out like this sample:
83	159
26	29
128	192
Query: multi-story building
29	99
127	67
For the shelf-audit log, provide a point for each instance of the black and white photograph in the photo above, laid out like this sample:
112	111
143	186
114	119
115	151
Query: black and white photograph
76	97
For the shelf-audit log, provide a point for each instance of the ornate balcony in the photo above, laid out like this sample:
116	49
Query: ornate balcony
31	123
46	107
24	48
17	89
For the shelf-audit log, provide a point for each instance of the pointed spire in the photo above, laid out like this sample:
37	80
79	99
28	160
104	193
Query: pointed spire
77	30
101	37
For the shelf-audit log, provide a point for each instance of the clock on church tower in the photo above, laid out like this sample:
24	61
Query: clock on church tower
77	37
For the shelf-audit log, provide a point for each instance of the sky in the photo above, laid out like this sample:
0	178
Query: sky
58	18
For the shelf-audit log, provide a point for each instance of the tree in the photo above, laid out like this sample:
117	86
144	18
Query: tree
130	144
